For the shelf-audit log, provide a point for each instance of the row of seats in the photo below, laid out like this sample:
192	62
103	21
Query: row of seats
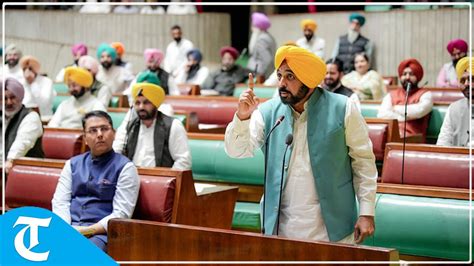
165	195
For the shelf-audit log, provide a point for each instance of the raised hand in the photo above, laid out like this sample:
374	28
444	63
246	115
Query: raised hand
248	102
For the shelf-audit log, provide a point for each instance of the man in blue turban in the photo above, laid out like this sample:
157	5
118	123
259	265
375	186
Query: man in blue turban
192	72
352	43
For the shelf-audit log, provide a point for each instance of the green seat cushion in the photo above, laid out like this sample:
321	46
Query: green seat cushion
114	101
211	163
435	123
58	100
246	216
60	88
259	91
117	118
369	110
181	118
243	60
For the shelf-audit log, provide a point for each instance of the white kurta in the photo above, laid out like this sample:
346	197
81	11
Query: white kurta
71	111
40	94
15	72
300	215
198	79
315	45
126	194
29	131
145	151
176	55
116	78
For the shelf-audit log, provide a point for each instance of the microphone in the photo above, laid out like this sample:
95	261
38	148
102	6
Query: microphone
288	141
405	129
277	123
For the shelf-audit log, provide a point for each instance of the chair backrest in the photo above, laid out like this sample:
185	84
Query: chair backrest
261	91
62	143
382	131
427	165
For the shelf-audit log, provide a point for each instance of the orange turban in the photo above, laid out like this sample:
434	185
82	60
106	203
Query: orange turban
308	68
118	46
309	23
463	65
414	65
30	61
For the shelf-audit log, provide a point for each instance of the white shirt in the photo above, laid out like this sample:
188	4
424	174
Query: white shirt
104	95
40	94
315	45
198	79
116	78
176	55
125	198
455	129
15	72
71	111
29	131
145	151
414	111
301	211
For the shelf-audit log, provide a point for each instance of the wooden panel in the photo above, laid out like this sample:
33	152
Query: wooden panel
423	191
145	241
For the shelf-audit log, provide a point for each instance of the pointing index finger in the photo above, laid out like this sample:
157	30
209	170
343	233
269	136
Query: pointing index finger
251	81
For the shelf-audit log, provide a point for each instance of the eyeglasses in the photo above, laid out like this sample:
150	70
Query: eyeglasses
95	130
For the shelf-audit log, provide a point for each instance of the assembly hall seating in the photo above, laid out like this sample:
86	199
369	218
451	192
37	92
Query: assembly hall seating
62	143
440	95
165	195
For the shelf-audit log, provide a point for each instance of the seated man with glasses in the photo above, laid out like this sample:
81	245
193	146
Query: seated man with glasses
98	185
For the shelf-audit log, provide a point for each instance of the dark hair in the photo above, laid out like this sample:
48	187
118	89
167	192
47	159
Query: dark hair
176	27
337	62
364	54
97	113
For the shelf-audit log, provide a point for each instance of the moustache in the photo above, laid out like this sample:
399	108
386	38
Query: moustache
283	89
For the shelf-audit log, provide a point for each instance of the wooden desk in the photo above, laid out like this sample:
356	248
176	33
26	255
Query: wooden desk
153	241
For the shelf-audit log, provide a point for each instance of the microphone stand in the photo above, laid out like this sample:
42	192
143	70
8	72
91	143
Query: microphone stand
278	122
288	141
405	130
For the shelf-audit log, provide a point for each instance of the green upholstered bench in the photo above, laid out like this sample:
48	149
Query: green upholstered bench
260	91
60	88
58	100
210	164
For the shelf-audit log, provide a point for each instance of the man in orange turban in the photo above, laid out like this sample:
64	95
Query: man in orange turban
310	41
455	129
330	161
120	48
71	111
418	100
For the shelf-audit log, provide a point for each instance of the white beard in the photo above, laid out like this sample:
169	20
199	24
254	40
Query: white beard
253	40
352	35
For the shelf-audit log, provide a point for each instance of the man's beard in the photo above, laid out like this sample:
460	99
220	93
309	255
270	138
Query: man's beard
330	83
12	62
106	64
76	62
177	39
466	92
253	40
153	69
352	35
10	114
78	94
227	67
308	37
455	61
413	85
293	99
145	115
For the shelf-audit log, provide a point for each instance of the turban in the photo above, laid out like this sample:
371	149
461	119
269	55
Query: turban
79	48
414	65
12	49
154	93
260	21
308	68
118	46
30	61
358	17
15	87
195	54
79	75
108	49
153	55
149	77
463	65
458	44
309	23
90	63
231	50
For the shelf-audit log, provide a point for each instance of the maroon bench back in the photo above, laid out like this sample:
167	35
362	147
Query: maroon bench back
427	165
62	143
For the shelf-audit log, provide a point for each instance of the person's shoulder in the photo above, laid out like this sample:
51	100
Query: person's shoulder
459	104
78	158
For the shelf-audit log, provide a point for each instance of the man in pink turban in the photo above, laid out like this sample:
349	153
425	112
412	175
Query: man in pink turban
262	47
77	50
447	78
419	101
98	89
